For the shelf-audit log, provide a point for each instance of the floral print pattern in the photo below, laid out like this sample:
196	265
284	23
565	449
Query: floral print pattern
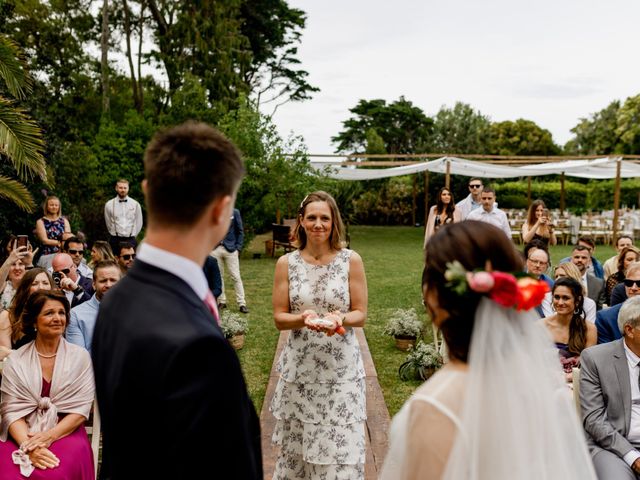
320	399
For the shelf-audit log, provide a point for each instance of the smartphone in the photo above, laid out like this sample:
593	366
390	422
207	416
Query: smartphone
23	241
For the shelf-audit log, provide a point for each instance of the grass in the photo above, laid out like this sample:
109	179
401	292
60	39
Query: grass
393	263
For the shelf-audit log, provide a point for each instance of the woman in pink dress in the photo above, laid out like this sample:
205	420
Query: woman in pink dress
46	395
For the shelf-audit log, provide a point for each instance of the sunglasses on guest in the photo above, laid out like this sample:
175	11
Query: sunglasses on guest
630	283
66	271
75	252
128	256
475	185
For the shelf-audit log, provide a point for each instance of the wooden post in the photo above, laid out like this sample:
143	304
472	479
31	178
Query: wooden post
447	178
414	202
616	201
562	193
528	192
426	196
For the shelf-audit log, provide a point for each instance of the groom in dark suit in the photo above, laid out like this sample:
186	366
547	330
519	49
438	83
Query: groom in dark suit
610	399
170	389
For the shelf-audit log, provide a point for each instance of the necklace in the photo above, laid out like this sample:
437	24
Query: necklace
46	356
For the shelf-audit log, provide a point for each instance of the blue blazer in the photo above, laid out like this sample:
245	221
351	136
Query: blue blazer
235	236
607	324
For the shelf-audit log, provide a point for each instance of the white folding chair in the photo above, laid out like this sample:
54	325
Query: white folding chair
93	431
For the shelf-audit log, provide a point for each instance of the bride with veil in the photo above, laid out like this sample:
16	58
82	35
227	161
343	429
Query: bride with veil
499	409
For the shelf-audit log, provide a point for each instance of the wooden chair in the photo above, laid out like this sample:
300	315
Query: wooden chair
93	430
281	238
575	374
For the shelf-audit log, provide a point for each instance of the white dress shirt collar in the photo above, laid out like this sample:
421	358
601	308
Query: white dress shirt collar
181	267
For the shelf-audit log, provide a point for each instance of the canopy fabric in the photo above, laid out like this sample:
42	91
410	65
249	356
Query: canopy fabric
600	168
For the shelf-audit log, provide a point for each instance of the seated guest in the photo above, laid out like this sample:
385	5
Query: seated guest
77	288
568	269
594	267
11	336
101	251
126	255
607	319
537	263
627	256
83	317
13	254
618	294
567	326
595	286
611	265
47	393
610	399
75	248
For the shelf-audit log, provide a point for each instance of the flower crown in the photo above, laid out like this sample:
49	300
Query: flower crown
522	292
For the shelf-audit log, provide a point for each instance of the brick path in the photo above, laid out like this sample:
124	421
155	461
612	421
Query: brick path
377	414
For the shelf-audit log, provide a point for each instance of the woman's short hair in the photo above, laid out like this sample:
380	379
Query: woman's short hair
34	306
474	244
336	238
20	299
623	254
531	213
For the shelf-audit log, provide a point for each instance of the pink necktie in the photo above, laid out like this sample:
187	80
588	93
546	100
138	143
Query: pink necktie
212	305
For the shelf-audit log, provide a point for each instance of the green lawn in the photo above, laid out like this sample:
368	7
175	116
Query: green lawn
393	263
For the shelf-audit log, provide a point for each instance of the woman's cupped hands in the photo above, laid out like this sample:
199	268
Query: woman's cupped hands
330	323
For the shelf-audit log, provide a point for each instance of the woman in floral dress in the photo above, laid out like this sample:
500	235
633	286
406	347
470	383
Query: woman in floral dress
320	294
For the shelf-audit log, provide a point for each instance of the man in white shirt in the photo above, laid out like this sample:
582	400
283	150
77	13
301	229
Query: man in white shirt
489	213
611	265
472	201
581	257
123	216
610	399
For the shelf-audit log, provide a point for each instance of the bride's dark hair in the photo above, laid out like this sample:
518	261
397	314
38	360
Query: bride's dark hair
471	243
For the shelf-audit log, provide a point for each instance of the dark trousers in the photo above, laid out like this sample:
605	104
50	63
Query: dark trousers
116	241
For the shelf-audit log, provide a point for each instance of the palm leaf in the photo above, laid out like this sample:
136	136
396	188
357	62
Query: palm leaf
21	141
17	193
12	69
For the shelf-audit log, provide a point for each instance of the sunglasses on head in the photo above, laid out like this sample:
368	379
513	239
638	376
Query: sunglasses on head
630	283
475	185
128	256
75	252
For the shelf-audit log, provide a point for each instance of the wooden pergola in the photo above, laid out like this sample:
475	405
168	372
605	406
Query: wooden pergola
364	160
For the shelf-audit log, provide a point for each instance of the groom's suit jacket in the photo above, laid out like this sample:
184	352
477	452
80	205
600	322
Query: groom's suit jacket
605	398
170	389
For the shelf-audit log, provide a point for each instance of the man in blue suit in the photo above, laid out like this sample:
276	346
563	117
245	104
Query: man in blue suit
607	319
172	397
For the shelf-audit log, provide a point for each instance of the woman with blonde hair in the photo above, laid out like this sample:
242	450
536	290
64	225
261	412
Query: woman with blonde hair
52	230
101	252
538	225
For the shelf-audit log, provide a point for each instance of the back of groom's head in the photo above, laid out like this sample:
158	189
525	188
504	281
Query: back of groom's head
186	168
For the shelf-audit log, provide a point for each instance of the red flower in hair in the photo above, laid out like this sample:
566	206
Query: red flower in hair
505	289
531	292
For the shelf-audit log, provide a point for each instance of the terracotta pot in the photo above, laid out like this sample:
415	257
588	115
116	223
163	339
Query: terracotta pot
405	342
237	341
426	372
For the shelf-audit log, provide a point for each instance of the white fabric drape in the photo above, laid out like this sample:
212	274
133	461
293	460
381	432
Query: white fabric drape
600	168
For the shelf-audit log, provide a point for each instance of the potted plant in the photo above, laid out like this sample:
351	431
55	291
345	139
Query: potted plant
421	363
234	326
405	326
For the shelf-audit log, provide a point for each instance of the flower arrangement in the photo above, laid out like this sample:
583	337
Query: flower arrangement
404	323
521	292
233	324
421	363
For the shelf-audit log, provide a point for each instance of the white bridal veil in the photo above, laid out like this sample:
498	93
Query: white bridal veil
518	420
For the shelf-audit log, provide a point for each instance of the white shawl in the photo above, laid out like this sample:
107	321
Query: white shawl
72	388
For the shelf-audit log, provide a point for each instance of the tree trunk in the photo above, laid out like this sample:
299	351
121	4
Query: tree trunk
134	82
104	44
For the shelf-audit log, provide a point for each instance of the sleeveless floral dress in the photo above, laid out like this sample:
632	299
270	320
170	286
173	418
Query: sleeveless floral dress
54	230
319	401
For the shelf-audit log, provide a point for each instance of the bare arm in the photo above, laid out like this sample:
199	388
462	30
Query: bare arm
64	427
41	233
592	335
5	333
358	292
529	233
284	320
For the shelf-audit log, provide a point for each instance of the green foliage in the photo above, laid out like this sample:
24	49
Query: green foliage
422	361
522	137
384	202
404	323
403	127
375	143
460	129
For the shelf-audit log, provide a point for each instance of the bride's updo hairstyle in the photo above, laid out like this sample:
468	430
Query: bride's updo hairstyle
337	227
471	243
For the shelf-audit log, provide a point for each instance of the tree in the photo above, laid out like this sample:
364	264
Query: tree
628	126
460	130
522	137
403	127
20	137
597	134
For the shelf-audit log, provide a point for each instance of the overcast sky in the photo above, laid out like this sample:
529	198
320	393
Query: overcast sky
552	62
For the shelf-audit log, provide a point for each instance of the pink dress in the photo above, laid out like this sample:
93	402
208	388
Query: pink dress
74	452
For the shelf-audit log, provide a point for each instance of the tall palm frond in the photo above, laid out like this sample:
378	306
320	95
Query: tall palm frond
12	69
16	193
21	141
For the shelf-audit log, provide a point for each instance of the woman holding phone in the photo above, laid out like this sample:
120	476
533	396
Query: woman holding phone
538	226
